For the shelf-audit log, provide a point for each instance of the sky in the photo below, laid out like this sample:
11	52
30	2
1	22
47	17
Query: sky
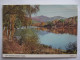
57	10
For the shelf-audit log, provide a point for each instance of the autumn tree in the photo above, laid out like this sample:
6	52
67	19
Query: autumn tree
11	12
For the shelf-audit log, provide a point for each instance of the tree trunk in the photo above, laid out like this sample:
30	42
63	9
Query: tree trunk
12	22
5	31
30	18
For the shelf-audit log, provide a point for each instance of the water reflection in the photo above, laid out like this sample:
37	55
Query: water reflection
72	31
57	38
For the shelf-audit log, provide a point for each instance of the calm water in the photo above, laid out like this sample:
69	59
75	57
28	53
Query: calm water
56	40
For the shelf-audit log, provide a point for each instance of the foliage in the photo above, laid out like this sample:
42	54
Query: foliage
72	48
16	16
50	23
18	23
27	36
62	20
31	36
21	11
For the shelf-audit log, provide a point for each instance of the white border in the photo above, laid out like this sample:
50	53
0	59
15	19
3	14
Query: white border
39	55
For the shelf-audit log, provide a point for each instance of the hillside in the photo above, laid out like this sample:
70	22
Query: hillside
45	18
68	22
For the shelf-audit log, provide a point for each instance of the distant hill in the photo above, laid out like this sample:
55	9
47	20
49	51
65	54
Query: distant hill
57	17
45	18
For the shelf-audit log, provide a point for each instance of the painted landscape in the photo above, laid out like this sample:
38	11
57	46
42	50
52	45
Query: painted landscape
40	29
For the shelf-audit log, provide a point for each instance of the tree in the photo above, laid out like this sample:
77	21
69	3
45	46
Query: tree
50	23
62	20
72	48
11	12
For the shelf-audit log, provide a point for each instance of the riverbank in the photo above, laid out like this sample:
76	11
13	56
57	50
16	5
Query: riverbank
13	47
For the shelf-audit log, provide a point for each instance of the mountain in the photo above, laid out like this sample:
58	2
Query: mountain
45	18
57	17
41	18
